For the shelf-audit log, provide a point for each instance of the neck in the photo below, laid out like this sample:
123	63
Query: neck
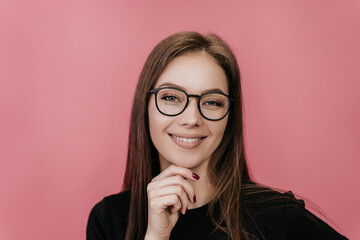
202	189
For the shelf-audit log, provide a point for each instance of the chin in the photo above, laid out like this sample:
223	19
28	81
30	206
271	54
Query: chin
179	161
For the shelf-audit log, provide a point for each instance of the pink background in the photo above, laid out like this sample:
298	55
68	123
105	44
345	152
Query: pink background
68	70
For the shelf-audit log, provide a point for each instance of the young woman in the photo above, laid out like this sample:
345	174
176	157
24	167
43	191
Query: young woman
186	174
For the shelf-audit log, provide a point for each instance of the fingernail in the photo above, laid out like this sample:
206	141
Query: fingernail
195	176
194	200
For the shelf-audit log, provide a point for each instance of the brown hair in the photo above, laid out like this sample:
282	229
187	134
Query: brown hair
236	195
227	168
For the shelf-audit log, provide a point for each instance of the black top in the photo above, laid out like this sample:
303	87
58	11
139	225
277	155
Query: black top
108	221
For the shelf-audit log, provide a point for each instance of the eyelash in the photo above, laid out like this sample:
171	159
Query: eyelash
166	98
214	103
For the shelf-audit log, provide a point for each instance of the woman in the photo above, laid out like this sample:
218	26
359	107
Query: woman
186	174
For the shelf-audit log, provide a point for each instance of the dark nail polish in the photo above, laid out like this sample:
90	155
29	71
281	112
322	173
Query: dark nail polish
194	200
195	176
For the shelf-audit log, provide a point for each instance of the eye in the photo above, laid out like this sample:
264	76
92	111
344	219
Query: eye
170	98
213	103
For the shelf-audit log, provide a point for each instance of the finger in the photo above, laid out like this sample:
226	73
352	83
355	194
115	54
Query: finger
176	170
176	207
161	204
170	190
176	180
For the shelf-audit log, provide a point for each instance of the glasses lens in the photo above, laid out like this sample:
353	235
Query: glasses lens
171	101
214	105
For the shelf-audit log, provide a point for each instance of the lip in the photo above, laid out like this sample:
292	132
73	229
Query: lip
195	140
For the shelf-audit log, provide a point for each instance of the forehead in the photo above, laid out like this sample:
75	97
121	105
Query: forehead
195	73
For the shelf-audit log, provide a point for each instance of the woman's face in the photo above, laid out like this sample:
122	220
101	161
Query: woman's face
188	140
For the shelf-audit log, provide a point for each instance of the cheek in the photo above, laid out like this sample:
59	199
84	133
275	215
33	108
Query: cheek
157	124
153	123
218	129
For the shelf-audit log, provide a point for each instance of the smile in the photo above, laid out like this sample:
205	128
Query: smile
187	142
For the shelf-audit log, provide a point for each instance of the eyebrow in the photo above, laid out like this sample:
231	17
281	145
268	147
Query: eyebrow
169	84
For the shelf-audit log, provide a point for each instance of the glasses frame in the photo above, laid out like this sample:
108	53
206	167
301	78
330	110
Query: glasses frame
156	90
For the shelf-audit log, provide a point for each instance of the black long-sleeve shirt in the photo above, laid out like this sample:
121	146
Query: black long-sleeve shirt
108	221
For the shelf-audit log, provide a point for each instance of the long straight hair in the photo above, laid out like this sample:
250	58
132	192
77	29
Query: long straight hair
227	168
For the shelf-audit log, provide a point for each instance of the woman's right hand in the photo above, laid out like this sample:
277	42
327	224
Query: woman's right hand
168	195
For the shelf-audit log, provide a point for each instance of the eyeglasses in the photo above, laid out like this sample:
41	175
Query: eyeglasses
172	101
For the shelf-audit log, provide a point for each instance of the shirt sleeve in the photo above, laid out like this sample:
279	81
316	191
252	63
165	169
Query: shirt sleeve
95	229
302	224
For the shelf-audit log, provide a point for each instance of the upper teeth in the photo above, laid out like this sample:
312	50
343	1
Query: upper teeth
189	140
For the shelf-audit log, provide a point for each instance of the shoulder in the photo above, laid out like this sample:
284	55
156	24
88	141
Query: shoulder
111	211
279	215
301	223
117	203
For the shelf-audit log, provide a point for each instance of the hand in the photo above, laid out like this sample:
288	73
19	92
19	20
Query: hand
168	195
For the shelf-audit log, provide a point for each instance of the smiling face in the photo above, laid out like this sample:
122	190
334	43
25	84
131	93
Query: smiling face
188	140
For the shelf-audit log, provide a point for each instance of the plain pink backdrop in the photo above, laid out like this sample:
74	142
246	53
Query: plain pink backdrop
68	71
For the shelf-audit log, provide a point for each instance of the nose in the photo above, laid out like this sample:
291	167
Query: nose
191	116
